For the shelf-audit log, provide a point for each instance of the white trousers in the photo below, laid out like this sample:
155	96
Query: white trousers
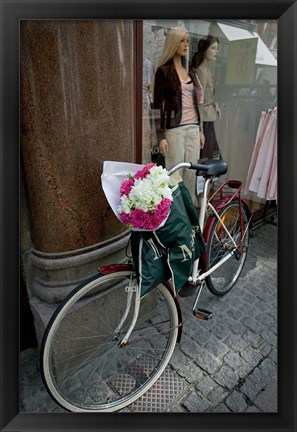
184	146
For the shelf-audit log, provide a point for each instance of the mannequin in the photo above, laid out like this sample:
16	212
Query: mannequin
207	52
176	104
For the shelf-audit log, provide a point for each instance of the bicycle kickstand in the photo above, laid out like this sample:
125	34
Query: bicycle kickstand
199	312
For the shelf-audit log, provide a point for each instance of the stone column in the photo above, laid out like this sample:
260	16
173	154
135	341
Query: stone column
77	110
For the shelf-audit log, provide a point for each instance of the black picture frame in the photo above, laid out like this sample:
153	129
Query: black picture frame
11	13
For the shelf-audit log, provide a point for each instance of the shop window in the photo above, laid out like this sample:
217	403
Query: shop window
245	80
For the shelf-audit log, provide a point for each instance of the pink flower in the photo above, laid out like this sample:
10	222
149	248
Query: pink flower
125	218
126	186
139	218
162	209
141	174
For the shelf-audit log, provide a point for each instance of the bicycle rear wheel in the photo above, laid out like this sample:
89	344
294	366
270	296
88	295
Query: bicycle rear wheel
218	245
82	365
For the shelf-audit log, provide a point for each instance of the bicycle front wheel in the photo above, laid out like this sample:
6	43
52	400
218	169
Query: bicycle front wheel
219	244
82	364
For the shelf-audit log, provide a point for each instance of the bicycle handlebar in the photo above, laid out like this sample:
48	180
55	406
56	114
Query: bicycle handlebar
199	167
189	165
213	167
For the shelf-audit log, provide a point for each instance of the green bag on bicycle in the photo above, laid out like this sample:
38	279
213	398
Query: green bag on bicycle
170	251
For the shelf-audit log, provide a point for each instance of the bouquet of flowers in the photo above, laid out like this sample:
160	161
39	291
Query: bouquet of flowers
145	198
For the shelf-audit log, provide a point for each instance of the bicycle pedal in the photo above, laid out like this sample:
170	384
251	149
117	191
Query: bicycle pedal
202	313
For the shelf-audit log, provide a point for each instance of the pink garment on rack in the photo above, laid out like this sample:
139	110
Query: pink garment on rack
262	174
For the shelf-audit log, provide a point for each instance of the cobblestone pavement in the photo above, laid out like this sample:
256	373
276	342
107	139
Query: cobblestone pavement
226	364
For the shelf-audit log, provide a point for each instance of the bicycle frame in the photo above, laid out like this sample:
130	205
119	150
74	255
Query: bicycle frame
196	278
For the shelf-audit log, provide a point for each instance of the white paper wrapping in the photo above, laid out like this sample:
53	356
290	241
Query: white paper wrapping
111	179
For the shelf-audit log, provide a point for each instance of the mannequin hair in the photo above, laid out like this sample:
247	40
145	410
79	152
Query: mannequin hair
172	41
202	47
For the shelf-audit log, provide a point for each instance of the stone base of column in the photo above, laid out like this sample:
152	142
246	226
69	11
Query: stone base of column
56	275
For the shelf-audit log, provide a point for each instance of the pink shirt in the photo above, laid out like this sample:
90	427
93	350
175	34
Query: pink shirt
189	114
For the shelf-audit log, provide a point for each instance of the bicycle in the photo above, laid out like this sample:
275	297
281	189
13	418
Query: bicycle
116	353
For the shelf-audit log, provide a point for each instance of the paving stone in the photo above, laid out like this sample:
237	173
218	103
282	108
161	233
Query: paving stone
244	370
258	377
253	338
268	368
236	327
262	306
273	355
250	388
266	297
274	329
266	401
236	342
252	324
211	390
191	327
201	336
251	355
178	359
207	362
220	331
221	316
235	313
269	336
236	402
222	408
217	395
249	298
206	385
255	288
252	409
193	403
216	347
191	372
226	377
233	360
265	349
266	319
249	310
273	312
233	300
190	347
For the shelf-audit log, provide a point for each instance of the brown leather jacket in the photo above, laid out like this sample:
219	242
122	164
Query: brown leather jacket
168	98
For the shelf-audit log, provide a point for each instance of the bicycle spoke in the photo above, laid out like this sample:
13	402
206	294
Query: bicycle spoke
84	365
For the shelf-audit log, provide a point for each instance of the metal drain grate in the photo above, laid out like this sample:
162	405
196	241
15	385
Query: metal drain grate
168	387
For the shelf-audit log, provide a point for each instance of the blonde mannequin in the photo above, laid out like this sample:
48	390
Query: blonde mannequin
176	93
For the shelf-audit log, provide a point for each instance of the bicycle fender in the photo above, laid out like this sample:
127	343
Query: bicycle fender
209	224
212	219
112	268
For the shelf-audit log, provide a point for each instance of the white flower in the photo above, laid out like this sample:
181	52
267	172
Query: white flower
150	187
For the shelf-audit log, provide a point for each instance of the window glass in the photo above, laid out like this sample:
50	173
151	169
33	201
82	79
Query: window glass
244	75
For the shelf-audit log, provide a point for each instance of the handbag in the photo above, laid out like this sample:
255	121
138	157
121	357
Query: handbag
157	157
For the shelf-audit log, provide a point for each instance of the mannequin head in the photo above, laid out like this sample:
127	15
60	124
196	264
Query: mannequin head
176	42
212	52
207	50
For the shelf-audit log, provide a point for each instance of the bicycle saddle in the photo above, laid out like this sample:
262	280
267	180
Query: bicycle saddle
216	167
